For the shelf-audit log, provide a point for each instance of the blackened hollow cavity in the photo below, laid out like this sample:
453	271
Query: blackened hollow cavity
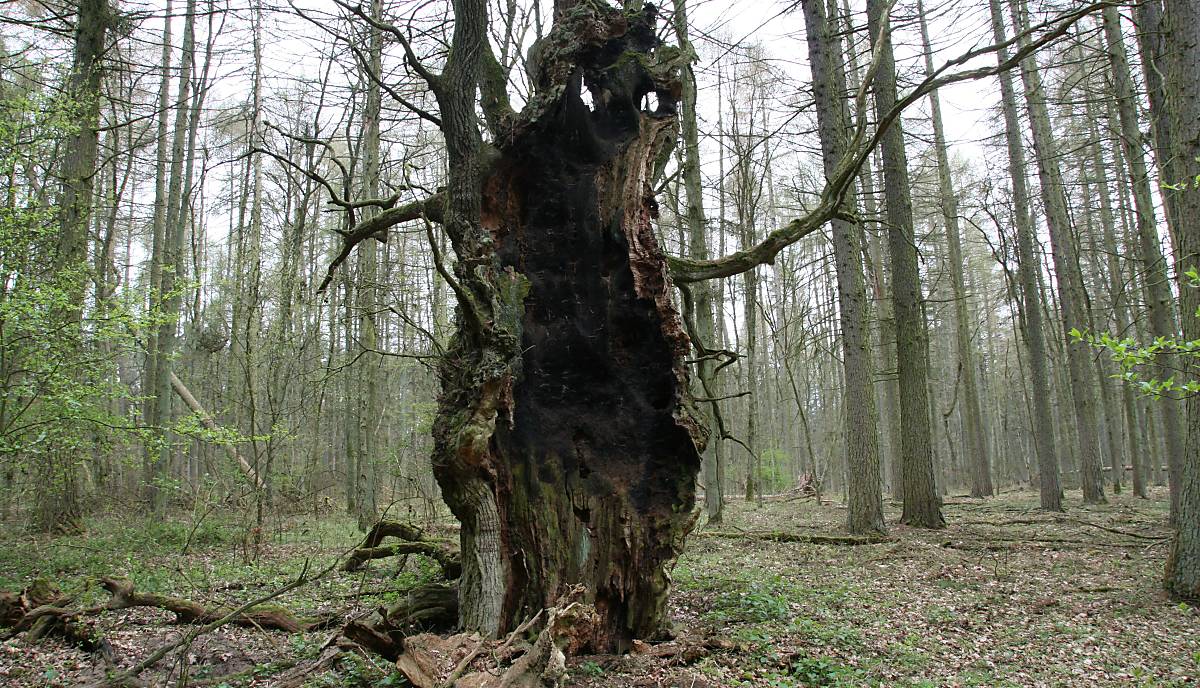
596	392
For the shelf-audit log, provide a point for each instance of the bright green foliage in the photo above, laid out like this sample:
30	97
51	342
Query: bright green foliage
58	381
1136	359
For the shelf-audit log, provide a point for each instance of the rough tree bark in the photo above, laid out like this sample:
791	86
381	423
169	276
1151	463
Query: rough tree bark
1182	19
1119	300
57	505
922	506
702	293
563	441
1159	300
158	224
172	271
365	406
865	513
1068	274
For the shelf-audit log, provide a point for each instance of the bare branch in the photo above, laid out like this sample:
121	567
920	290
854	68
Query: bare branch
429	207
830	203
413	61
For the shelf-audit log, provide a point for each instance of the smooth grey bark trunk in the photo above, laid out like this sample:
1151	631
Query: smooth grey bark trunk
922	506
976	446
1049	485
865	514
1065	251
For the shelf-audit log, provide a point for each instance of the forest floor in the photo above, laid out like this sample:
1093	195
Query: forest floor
1004	596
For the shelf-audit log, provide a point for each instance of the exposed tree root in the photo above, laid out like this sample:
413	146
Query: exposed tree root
430	661
442	551
468	661
783	536
40	611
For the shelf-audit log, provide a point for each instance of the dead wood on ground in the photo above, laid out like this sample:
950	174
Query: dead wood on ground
783	536
425	608
414	542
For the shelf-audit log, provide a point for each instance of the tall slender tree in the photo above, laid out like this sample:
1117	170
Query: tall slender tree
865	513
1030	303
1182	21
1154	266
1068	274
704	306
922	506
57	502
979	462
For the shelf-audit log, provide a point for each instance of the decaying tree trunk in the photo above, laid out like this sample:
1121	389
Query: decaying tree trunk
564	440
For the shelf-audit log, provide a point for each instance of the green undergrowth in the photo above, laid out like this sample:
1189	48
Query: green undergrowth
212	558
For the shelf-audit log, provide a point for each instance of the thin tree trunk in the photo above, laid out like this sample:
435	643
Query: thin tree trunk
1154	268
1049	485
367	363
703	292
172	270
158	224
1120	305
1072	297
972	412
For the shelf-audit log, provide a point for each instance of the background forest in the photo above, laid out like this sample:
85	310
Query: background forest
232	322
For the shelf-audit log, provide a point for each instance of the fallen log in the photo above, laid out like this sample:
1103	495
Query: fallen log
441	552
188	612
40	611
398	529
784	536
207	421
413	542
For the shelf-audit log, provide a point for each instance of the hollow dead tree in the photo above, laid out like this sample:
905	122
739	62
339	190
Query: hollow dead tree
565	439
